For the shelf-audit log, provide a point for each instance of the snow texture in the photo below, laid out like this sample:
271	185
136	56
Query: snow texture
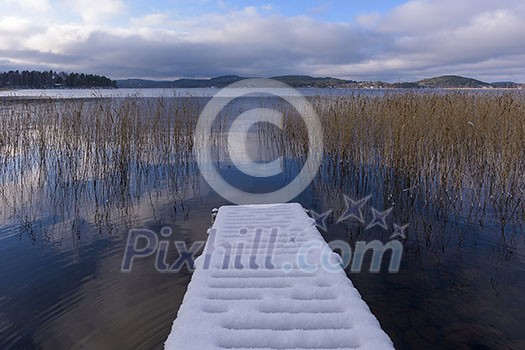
232	305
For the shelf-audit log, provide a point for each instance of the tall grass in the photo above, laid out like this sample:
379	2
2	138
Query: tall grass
71	159
465	150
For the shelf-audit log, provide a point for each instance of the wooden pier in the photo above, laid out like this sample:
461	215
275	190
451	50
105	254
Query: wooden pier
262	283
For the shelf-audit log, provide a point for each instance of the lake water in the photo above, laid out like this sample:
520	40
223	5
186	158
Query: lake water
64	224
179	92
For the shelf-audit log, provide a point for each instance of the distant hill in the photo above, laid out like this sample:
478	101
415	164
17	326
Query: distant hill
180	83
144	83
442	82
216	82
305	80
505	85
220	82
452	81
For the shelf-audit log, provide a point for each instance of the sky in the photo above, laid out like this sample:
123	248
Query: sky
354	39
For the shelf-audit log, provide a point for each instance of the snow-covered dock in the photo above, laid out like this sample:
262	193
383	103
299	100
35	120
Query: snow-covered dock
259	285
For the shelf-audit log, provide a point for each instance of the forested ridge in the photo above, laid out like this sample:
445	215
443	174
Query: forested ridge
53	80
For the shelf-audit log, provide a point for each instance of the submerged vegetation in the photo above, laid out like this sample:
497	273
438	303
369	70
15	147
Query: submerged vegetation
465	150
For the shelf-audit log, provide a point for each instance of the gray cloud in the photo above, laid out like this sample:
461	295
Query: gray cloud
481	39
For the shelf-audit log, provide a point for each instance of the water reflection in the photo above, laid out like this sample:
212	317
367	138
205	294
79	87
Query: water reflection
461	277
77	174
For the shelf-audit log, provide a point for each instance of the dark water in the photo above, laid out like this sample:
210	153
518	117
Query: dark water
460	284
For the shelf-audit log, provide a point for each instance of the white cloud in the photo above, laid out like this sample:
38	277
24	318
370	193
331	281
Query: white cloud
368	20
479	38
56	38
98	10
150	20
29	5
13	30
14	25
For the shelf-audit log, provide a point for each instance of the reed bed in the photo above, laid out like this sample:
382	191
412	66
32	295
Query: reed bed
462	150
66	160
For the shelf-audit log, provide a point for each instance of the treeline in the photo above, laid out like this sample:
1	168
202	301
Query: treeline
53	80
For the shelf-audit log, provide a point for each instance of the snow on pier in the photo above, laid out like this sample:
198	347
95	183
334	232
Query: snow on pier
261	284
